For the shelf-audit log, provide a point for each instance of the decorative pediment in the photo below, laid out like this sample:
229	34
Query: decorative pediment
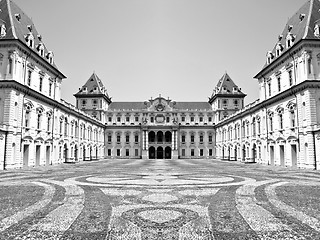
159	104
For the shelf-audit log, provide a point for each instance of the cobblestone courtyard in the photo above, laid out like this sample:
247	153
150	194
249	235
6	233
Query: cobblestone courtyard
160	199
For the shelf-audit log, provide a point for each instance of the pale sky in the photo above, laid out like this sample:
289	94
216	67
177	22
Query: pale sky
176	48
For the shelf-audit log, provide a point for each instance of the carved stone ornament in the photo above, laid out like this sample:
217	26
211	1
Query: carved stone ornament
160	107
1	136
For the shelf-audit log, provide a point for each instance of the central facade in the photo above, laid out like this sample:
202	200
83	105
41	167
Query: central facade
159	128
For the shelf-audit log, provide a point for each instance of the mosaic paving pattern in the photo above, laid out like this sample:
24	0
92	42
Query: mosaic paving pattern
160	199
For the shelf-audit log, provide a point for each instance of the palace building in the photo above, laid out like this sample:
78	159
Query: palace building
38	128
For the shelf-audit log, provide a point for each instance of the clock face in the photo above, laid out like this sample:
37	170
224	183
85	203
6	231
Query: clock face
160	107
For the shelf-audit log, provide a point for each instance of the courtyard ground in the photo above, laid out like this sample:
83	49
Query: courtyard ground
159	199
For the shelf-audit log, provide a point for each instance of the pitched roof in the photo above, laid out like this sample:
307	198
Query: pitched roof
18	25
301	25
143	106
226	86
93	86
192	106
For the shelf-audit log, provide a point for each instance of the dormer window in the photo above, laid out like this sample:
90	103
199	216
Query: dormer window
301	16
290	40
39	37
279	49
40	49
18	16
29	28
3	32
270	56
280	37
290	28
30	40
50	57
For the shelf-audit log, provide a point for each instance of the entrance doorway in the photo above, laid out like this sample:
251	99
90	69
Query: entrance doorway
281	148
37	155
25	155
47	155
65	153
254	152
294	155
272	155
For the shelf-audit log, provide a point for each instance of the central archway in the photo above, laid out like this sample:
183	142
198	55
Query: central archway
160	153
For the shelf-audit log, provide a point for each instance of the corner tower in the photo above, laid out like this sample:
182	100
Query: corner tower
226	98
93	98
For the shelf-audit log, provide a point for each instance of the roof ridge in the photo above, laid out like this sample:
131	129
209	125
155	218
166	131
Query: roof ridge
309	19
10	18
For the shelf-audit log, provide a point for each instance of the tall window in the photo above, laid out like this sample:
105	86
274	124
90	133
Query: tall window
183	138
76	129
29	77
50	88
279	84
201	138
49	122
136	138
270	123
109	138
269	88
192	138
27	118
118	139
290	78
259	126
66	127
127	138
253	126
280	121
40	83
39	118
210	138
292	118
309	65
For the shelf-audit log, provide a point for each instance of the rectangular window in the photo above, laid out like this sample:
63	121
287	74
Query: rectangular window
109	152
201	152
136	119
127	138
50	88
29	78
271	124
109	138
136	138
201	139
118	119
110	119
210	119
269	88
127	119
151	119
192	138
26	122
279	84
40	83
293	120
118	139
183	138
290	78
48	124
192	119
136	152
183	119
210	152
127	152
280	121
192	152
118	152
168	119
39	121
201	119
210	138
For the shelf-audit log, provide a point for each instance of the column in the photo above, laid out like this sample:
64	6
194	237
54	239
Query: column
147	140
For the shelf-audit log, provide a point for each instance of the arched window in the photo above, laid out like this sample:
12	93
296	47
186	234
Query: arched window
65	127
